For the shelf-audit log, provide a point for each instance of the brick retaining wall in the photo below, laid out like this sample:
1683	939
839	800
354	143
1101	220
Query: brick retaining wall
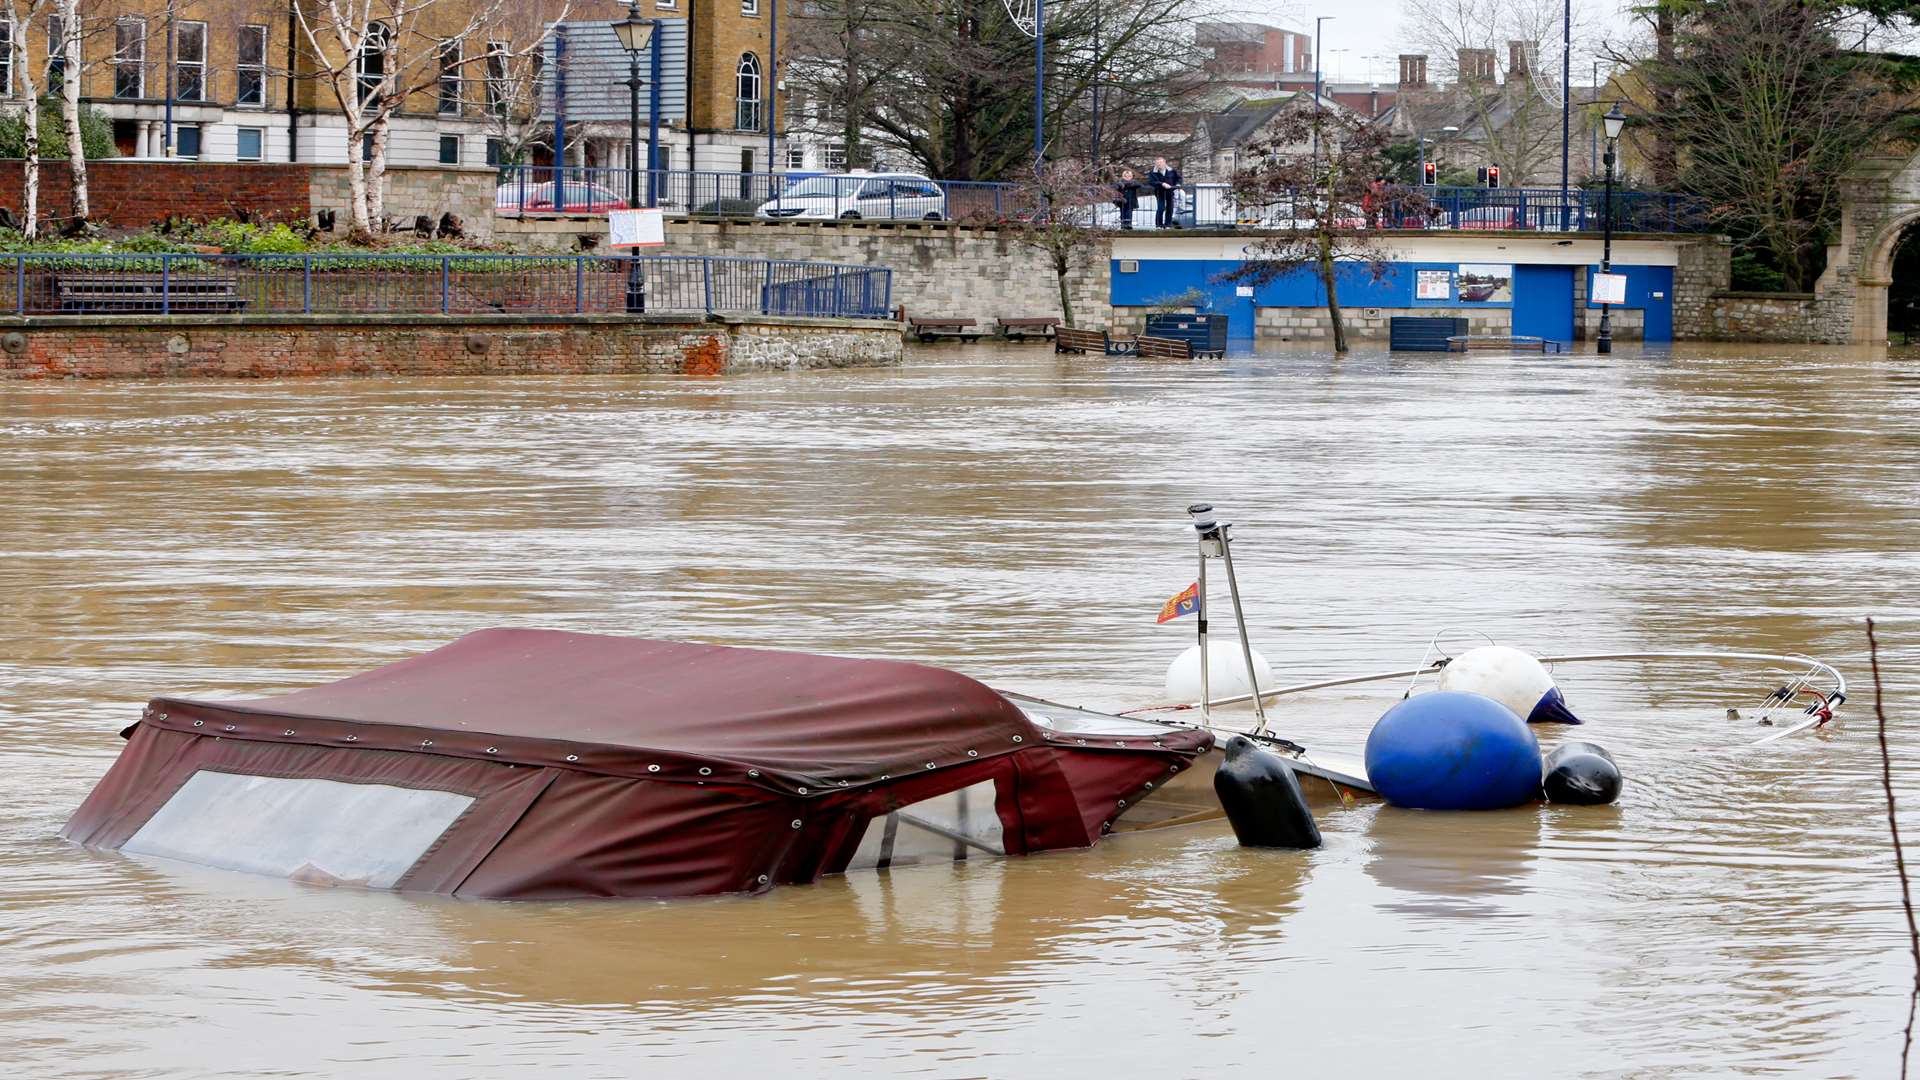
226	347
136	194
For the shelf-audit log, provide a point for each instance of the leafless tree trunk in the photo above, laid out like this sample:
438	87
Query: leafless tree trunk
1055	207
1313	178
71	32
21	16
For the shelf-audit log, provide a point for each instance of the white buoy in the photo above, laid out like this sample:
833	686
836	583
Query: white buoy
1226	670
1511	678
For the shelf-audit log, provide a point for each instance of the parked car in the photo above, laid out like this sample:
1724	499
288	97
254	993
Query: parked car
578	197
874	196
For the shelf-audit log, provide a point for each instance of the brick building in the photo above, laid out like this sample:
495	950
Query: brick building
245	83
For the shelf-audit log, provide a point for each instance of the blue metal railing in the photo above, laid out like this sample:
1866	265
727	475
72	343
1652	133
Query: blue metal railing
540	190
354	284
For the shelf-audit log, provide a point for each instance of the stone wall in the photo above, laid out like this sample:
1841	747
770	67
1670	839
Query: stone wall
1367	324
136	194
229	347
1705	271
466	193
1749	316
939	268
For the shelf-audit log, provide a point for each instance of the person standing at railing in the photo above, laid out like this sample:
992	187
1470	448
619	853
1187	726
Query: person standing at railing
1127	199
1165	180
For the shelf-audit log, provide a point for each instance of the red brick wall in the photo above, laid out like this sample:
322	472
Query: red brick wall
135	194
213	349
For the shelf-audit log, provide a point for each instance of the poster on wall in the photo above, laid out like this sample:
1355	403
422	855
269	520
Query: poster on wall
1433	285
1486	283
1607	289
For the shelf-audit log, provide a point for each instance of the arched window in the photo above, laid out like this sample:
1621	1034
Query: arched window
746	105
372	61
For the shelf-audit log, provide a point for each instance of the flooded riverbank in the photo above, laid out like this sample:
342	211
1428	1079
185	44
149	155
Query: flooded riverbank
1017	516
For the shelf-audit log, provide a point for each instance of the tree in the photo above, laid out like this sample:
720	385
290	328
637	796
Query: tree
1768	109
20	16
1057	208
949	83
375	55
1325	204
1501	106
72	115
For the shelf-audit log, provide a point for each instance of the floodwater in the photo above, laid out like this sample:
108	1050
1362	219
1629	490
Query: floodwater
1020	517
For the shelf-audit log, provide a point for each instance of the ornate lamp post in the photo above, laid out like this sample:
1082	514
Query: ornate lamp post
635	33
1614	121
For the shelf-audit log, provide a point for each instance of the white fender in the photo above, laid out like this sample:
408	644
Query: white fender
1226	672
1511	678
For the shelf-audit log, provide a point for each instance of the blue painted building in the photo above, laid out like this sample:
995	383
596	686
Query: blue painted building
1531	284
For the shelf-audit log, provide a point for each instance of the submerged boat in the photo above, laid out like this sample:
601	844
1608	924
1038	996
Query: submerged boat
537	764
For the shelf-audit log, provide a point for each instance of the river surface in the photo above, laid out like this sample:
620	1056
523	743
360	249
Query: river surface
1019	517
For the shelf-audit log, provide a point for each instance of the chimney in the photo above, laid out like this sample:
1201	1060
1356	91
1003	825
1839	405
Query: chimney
1519	59
1476	65
1413	71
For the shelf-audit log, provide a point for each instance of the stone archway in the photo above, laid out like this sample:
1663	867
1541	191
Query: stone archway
1851	296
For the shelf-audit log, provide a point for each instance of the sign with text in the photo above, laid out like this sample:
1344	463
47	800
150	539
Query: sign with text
1433	285
1607	289
636	228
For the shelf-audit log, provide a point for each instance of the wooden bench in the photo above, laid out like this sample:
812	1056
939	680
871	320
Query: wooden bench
1519	343
187	293
942	329
1069	339
1165	348
1021	329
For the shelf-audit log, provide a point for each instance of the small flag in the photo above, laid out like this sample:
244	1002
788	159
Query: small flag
1186	603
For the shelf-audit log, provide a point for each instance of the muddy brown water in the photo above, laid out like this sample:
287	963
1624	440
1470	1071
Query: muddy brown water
1019	517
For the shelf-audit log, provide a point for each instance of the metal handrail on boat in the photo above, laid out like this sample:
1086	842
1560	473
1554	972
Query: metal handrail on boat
1830	701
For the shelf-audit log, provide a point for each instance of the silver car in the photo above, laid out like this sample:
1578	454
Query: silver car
873	196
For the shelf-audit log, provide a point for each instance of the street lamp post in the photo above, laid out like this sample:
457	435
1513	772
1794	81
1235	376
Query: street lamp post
1316	86
1421	140
635	33
1614	121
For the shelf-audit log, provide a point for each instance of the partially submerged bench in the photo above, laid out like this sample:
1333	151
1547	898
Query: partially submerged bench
175	294
1503	343
1165	348
1020	329
1069	339
942	329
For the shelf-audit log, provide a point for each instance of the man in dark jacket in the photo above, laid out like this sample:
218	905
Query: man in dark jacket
1127	197
1164	179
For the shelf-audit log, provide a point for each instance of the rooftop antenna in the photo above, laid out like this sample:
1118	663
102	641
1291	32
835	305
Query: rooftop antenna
1216	542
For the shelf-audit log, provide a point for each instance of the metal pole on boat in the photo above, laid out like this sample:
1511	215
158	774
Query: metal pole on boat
1216	541
1202	523
1240	618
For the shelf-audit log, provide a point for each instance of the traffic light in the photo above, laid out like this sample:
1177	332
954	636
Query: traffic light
1483	176
1432	174
1493	176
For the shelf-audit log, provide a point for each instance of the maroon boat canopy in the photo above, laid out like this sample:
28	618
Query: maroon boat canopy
541	764
784	720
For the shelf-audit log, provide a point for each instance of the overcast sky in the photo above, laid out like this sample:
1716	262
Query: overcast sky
1364	38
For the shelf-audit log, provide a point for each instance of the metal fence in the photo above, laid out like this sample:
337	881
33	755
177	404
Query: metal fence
351	284
541	190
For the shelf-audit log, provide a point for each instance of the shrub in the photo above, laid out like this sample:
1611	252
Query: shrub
96	133
1752	275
